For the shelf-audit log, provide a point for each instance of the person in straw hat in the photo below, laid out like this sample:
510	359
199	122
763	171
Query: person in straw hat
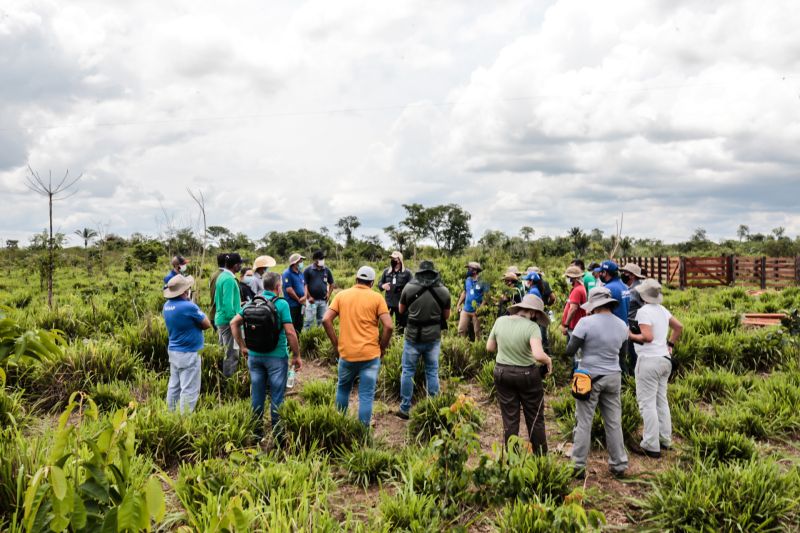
601	338
294	290
185	324
520	365
260	267
654	366
577	297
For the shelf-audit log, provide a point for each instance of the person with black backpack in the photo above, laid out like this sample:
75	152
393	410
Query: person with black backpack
427	302
266	323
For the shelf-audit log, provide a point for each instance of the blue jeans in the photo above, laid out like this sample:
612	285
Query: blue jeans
367	374
314	313
264	371
412	351
183	389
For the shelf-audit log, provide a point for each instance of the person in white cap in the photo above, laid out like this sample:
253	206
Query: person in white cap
260	266
185	324
294	289
653	367
394	279
359	344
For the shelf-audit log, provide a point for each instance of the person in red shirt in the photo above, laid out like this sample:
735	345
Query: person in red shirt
573	311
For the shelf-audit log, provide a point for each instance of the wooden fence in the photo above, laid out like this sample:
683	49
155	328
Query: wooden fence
727	270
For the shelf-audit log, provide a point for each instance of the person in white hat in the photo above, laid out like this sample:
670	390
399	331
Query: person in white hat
601	337
359	344
393	280
294	289
260	267
185	324
653	367
519	368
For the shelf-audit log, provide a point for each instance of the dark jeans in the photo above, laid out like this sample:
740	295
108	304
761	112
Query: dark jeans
521	386
400	320
298	317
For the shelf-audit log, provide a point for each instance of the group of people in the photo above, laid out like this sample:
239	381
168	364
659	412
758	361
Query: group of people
613	321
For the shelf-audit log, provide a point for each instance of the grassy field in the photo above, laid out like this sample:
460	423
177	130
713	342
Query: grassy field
87	442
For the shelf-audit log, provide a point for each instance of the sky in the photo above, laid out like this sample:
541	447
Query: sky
551	114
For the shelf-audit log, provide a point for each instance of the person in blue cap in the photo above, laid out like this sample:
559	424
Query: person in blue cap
609	275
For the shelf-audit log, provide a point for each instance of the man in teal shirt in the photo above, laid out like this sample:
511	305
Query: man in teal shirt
227	302
270	368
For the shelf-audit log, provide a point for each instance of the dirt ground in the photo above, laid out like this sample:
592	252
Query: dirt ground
610	495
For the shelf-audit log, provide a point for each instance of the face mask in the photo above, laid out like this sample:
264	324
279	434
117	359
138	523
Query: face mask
321	262
625	278
183	268
248	279
395	262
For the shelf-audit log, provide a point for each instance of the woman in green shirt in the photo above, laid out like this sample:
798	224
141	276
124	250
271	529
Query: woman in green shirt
520	365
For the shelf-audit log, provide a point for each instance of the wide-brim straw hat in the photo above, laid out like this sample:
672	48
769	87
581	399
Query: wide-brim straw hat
633	269
650	291
598	297
510	276
534	303
475	265
265	261
574	272
295	258
178	285
514	269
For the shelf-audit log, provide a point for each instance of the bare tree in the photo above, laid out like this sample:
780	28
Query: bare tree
200	200
615	240
54	193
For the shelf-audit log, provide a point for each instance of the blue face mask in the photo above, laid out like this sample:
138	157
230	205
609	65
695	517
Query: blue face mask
300	265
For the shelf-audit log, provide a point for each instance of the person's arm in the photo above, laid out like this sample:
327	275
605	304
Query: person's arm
327	324
293	295
575	344
645	336
330	283
401	305
236	330
677	329
573	308
461	298
205	323
294	344
539	355
386	334
491	344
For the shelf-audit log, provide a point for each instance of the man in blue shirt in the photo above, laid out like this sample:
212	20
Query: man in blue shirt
185	324
294	288
609	275
270	368
471	298
179	266
319	285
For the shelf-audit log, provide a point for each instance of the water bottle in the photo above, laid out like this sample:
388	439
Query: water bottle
551	314
290	378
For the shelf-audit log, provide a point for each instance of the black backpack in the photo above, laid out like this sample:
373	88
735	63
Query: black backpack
262	325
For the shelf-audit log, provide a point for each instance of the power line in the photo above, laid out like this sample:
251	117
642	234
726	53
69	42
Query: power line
348	110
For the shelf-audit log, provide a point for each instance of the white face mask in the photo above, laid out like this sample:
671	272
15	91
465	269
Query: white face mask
183	268
321	262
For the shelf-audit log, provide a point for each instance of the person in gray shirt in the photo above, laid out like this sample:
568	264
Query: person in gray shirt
601	337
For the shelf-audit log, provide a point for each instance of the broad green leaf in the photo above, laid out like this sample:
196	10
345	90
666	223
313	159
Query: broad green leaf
30	494
95	490
154	496
78	518
59	482
131	514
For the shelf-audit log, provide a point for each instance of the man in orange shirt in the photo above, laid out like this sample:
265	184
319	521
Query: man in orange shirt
358	346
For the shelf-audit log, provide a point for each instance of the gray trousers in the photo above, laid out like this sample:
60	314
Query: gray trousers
606	393
183	389
231	360
652	374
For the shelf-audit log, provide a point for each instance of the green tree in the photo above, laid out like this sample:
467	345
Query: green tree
400	239
743	232
494	239
700	235
218	232
526	232
579	240
86	234
347	227
238	241
148	252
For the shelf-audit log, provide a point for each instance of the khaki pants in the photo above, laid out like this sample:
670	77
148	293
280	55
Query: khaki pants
464	320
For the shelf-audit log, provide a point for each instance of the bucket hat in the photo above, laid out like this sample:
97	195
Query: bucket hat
650	291
634	269
599	296
178	285
514	269
574	272
475	265
426	266
265	261
295	258
510	276
534	303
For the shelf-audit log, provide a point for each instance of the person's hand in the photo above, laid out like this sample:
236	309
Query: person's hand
336	351
383	351
310	299
303	300
245	351
564	330
549	365
297	362
386	286
670	349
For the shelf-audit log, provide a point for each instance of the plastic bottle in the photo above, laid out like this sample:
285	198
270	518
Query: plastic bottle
290	378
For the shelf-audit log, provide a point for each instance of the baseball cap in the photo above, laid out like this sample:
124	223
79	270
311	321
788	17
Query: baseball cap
607	266
366	273
318	254
532	276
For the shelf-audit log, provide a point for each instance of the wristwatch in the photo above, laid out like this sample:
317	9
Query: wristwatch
670	344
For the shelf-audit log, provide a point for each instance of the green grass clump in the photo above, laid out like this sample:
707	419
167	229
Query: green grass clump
150	339
410	511
754	496
545	516
429	417
319	392
722	447
369	466
214	383
320	427
111	396
312	343
485	379
12	409
713	385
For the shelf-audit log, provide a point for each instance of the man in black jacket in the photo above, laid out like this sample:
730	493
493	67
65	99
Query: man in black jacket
426	303
393	280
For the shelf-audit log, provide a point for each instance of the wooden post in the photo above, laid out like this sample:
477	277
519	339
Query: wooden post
660	271
682	272
797	270
730	274
763	271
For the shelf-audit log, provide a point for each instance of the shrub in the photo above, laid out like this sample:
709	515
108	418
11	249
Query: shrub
312	341
111	396
545	516
368	466
19	457
150	339
712	385
437	414
485	379
68	320
214	383
161	434
319	392
753	496
320	427
410	511
722	447
222	428
460	357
